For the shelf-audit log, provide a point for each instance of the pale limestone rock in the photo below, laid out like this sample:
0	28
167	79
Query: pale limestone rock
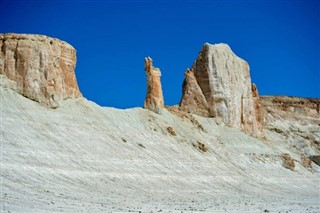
193	101
225	82
154	98
39	67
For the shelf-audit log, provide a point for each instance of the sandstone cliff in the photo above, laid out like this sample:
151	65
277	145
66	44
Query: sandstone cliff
225	83
39	67
154	98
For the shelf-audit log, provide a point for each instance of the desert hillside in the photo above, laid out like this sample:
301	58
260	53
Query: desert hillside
223	148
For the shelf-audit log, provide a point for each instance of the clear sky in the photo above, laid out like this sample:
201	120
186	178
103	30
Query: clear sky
279	39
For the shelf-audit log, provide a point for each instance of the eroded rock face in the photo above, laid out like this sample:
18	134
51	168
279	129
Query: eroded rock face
225	82
154	98
258	107
295	120
299	106
39	67
193	100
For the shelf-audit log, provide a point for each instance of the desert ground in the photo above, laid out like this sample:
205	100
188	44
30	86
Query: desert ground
82	157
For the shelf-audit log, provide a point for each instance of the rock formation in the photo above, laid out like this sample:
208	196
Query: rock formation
288	162
154	98
39	67
259	109
296	120
193	101
299	106
224	80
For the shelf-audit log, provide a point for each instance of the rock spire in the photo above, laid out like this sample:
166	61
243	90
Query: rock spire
154	98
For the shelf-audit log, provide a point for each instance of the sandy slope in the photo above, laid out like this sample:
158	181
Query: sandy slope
83	157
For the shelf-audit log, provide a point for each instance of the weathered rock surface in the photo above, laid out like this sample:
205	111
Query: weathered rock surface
316	159
299	106
288	162
193	100
39	67
259	109
154	98
295	120
225	83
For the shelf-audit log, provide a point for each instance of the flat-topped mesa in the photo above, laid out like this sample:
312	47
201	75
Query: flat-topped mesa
154	98
224	80
39	67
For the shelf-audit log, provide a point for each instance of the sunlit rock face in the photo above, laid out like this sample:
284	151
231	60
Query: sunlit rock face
193	100
154	98
225	82
39	67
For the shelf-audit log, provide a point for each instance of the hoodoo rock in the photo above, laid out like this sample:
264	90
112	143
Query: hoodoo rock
39	67
154	98
225	82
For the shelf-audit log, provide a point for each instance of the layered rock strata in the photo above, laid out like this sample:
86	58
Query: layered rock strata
154	98
39	67
225	83
296	120
302	106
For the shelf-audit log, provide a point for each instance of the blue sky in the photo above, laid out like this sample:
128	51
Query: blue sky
279	39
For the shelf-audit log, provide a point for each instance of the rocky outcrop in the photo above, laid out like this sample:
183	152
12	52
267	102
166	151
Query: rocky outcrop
193	100
224	80
316	159
39	67
296	120
299	106
288	162
154	98
258	108
306	162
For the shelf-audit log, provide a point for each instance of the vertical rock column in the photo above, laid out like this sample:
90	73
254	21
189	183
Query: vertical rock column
154	98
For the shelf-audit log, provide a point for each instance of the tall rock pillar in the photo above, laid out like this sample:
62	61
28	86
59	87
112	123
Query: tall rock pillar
154	98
